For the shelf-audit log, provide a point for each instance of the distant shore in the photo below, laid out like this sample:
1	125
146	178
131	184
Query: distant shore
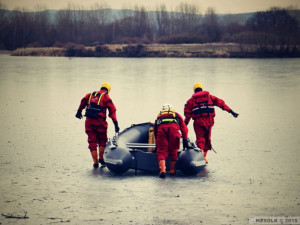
208	50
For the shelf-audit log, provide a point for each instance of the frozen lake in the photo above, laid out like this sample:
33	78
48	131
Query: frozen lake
46	167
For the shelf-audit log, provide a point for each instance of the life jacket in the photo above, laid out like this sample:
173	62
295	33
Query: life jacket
95	108
202	105
167	116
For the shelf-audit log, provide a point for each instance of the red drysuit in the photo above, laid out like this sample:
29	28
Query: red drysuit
96	104
200	107
167	126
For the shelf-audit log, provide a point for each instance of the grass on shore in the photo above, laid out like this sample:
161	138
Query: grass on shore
222	50
49	51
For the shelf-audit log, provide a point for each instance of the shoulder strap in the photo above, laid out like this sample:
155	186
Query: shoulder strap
95	93
100	98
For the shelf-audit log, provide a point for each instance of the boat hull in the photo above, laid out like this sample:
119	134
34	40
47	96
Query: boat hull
129	150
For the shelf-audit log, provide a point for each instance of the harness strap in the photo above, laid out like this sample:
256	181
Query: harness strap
100	98
95	94
90	97
166	120
93	109
203	109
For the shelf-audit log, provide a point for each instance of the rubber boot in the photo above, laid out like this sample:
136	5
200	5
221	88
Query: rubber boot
95	158
162	168
101	159
204	154
172	168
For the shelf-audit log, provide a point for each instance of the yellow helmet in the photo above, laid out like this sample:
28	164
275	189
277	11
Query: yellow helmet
198	85
107	86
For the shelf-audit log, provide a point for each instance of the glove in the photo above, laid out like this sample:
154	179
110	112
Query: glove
191	145
235	115
185	143
78	114
117	128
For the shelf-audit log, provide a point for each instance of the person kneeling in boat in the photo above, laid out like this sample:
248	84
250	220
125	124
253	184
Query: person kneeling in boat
166	130
200	107
96	104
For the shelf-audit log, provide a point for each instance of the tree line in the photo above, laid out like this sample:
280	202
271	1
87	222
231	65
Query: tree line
276	28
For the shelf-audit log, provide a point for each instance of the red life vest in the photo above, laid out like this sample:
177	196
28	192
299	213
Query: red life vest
202	105
95	107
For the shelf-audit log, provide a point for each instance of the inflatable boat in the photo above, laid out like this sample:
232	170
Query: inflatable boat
134	148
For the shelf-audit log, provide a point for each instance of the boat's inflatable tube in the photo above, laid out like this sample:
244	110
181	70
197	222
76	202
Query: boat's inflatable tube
128	150
118	160
190	161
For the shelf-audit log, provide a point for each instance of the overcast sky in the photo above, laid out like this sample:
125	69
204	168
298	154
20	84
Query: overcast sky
221	6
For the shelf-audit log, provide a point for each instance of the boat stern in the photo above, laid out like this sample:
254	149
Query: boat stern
191	161
117	159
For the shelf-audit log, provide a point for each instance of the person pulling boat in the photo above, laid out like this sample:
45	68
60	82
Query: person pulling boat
166	130
96	104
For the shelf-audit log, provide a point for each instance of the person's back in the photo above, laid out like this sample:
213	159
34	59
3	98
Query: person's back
167	126
97	103
200	108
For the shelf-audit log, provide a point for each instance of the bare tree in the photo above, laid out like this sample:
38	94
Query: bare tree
141	22
3	25
274	27
3	9
101	12
22	25
163	21
211	25
128	22
64	26
98	18
187	18
42	24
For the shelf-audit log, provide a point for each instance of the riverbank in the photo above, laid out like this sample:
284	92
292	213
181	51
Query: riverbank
208	50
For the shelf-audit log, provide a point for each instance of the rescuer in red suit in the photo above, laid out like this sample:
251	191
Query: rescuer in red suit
166	130
96	104
200	107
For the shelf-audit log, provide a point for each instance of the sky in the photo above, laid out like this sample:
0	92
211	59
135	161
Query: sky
221	6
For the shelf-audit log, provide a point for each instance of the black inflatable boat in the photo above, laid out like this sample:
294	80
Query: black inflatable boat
131	150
